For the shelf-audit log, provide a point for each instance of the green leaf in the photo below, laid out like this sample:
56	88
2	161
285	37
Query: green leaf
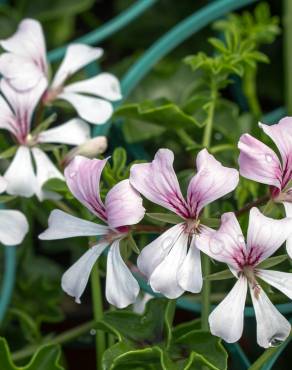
168	320
133	244
47	357
45	124
222	275
206	349
186	327
136	131
273	261
211	222
170	218
8	153
162	113
6	198
119	160
56	185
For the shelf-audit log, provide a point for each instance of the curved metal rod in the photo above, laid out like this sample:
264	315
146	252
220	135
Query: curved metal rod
106	30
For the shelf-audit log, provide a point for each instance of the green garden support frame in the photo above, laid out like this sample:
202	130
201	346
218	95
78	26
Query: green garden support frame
164	45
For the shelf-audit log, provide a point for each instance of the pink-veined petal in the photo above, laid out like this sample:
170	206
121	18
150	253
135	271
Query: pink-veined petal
13	227
164	279
25	63
258	162
272	327
225	245
122	288
211	182
281	134
45	170
104	85
77	56
265	235
62	225
226	320
157	181
20	176
288	210
22	105
155	252
7	118
73	132
75	279
83	178
91	109
278	279
123	205
190	273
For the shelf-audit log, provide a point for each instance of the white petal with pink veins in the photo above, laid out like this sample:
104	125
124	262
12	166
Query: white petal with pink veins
83	178
272	327
258	162
189	275
155	252
91	109
288	210
226	320
77	56
20	176
123	205
104	85
13	227
157	181
164	279
62	225
211	182
278	279
265	235
75	279
73	132
122	288
45	170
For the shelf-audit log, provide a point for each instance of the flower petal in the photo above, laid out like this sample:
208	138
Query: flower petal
73	132
45	170
75	279
258	162
77	56
123	205
62	225
157	181
7	118
20	176
278	279
164	279
25	64
3	184
288	209
272	327
83	177
190	273
265	235
91	109
211	182
155	252
226	320
13	227
281	134
225	245
104	85
122	288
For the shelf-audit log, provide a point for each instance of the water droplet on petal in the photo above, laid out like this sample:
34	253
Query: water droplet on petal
216	246
72	174
92	332
274	342
269	158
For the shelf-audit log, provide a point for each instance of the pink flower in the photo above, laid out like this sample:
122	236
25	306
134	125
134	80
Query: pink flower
13	224
15	116
172	262
24	66
122	207
260	163
264	237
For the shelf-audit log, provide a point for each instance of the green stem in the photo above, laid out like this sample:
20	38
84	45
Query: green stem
206	267
287	21
249	88
98	314
185	138
168	320
221	148
65	337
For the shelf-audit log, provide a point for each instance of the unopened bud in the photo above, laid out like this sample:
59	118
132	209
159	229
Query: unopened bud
90	149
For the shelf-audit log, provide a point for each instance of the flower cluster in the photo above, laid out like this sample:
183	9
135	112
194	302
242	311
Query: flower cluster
172	262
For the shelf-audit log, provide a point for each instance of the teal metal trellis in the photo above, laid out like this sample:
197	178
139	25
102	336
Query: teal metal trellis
135	74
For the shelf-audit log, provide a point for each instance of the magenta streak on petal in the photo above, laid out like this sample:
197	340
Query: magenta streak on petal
250	257
287	171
